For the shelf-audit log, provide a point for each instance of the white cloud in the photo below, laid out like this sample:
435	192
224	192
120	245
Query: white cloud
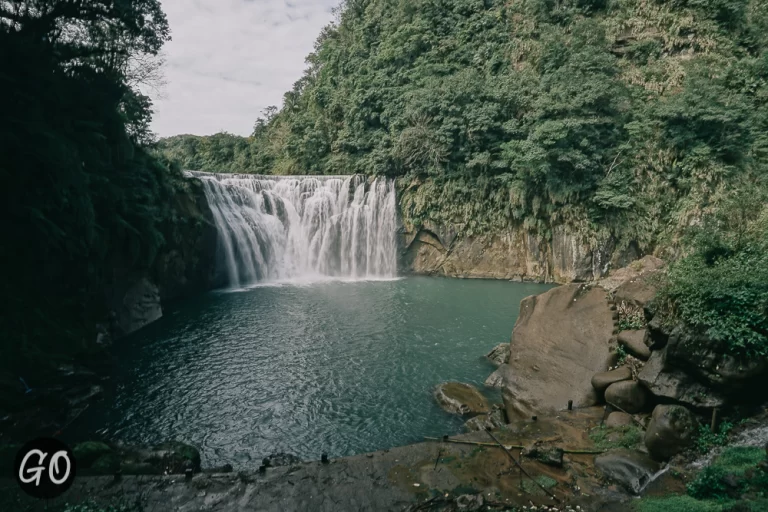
230	59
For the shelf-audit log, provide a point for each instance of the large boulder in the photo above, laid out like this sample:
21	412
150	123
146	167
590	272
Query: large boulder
634	343
667	381
601	381
627	395
671	430
561	339
460	398
499	354
689	368
631	470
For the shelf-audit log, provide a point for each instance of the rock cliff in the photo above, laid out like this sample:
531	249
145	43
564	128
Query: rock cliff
514	253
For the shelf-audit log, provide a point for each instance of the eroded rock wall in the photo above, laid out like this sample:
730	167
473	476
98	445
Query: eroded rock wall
515	254
185	265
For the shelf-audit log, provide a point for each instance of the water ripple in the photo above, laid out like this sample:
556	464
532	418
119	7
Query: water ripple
330	367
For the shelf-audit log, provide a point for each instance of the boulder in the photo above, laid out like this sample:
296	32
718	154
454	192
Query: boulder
282	459
137	306
499	354
667	381
633	284
628	395
634	343
689	368
631	470
175	456
552	361
492	420
496	379
460	398
600	381
88	452
671	430
618	419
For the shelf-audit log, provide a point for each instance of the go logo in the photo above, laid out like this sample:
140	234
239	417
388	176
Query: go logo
45	468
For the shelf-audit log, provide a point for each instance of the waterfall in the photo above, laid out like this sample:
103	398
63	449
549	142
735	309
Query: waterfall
303	228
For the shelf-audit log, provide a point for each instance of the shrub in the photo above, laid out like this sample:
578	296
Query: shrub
721	288
707	439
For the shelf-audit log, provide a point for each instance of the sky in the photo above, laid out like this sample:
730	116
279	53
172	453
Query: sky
230	59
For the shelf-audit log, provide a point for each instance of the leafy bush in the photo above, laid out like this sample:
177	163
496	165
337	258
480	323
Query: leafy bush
706	439
630	317
721	288
676	504
732	464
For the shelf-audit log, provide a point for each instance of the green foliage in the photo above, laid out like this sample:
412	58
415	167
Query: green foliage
622	118
631	317
607	438
677	504
706	439
721	288
717	480
84	201
221	152
621	352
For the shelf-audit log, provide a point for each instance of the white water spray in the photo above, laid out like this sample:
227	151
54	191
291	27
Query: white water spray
279	228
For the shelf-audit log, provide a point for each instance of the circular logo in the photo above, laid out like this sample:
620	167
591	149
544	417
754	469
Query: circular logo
45	468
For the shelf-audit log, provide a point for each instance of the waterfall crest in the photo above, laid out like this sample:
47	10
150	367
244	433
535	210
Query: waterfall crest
281	228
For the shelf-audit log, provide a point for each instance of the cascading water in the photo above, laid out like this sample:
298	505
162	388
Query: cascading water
278	228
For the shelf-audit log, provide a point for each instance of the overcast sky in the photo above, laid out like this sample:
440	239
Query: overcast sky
229	59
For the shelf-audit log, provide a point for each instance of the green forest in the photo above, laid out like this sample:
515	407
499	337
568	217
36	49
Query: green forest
85	201
641	120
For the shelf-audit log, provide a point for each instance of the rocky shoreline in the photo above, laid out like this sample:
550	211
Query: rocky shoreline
601	402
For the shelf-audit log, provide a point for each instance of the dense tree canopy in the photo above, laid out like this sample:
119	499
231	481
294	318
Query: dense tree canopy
631	120
83	201
622	115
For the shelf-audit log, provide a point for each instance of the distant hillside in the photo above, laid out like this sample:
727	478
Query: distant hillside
623	116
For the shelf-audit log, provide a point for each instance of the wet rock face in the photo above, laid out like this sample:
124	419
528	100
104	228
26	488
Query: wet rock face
671	430
553	362
460	398
138	306
499	354
628	395
514	254
601	381
631	470
496	379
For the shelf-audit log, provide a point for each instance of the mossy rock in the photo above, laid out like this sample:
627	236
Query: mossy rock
107	464
87	453
181	454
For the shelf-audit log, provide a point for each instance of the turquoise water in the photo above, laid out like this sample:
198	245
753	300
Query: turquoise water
335	367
